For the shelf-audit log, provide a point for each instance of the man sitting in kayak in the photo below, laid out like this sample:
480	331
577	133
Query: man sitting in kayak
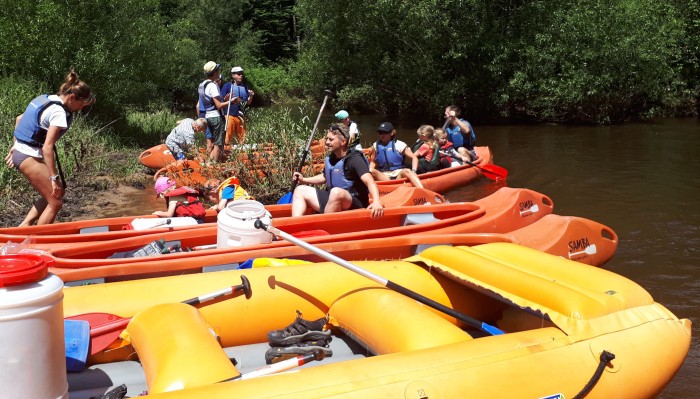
387	157
347	177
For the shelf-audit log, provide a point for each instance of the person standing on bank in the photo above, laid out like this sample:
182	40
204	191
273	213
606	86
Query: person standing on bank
460	132
346	175
388	156
241	96
344	118
46	119
210	100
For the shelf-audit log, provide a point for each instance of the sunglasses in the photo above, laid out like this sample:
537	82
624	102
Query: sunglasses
380	133
237	73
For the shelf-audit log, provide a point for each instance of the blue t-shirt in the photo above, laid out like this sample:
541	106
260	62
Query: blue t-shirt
459	139
238	91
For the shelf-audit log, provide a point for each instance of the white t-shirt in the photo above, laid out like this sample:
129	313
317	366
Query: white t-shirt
398	144
53	115
212	91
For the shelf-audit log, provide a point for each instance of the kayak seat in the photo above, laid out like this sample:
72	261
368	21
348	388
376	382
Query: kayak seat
94	229
391	322
311	233
419	218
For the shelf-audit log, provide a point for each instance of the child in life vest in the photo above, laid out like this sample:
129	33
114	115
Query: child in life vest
222	192
181	201
426	149
448	155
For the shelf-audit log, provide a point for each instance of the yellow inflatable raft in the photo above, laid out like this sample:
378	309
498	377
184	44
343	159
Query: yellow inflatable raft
570	329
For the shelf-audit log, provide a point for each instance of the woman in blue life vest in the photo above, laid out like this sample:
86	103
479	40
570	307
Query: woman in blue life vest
348	180
46	119
387	157
460	132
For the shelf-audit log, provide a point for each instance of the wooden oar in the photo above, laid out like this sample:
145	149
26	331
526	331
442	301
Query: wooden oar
287	198
105	328
379	280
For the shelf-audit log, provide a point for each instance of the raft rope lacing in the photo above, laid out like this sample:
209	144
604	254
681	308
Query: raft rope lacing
605	358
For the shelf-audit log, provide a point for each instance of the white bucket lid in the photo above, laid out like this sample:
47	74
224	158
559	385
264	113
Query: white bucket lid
246	210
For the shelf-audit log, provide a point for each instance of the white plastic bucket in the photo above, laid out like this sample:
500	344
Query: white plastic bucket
32	353
236	224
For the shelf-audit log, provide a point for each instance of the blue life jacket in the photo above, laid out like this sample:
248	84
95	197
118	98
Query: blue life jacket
236	91
388	160
459	139
336	174
29	130
206	103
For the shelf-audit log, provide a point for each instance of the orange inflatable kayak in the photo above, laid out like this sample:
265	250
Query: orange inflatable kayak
67	233
192	173
506	210
554	234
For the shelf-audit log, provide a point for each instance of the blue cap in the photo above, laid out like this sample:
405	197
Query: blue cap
342	114
385	127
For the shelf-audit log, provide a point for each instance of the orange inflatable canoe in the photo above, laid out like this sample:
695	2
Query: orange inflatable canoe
506	210
67	233
566	236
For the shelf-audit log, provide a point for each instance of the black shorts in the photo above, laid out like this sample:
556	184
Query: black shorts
323	195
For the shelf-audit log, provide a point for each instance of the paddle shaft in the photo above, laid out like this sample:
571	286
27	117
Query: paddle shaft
284	365
380	280
311	137
122	322
58	166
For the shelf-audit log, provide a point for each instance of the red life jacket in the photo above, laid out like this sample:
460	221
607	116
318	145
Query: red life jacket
192	206
445	148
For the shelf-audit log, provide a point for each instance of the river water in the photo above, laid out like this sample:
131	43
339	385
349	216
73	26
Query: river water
641	180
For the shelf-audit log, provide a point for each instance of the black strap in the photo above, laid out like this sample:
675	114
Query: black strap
116	393
60	170
605	358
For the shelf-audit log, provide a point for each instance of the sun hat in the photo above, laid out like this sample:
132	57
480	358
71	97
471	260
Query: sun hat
342	114
210	67
163	183
385	127
236	69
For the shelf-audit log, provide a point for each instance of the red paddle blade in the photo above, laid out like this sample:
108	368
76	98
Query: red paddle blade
104	329
494	172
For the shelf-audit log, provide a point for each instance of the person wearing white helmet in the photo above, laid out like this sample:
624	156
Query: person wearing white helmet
241	96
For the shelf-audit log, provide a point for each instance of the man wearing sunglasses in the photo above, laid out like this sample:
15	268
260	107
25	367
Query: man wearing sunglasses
348	180
241	96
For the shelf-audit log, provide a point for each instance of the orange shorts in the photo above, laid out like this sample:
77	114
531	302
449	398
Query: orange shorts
235	130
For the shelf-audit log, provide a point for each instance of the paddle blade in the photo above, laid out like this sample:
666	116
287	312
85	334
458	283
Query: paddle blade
494	172
104	329
286	199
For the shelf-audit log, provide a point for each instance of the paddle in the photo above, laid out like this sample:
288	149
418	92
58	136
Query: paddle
60	170
284	365
379	280
287	198
106	328
493	172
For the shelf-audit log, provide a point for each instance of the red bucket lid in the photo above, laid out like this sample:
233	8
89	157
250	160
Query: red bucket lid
18	269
